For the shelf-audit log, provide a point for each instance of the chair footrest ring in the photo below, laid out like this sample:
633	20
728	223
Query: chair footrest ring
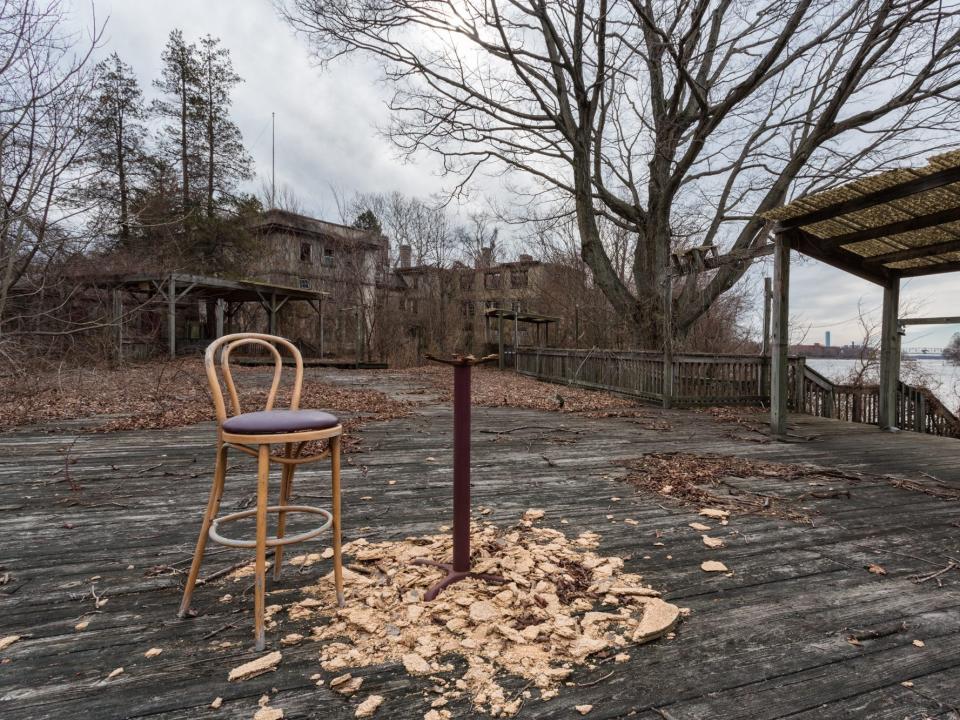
271	541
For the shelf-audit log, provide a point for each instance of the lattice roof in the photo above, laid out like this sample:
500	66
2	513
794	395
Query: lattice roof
898	223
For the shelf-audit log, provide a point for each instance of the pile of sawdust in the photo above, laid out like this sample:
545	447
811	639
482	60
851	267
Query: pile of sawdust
539	625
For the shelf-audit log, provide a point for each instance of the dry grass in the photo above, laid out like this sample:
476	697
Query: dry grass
163	394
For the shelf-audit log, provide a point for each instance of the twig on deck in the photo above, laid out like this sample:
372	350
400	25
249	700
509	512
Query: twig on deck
935	575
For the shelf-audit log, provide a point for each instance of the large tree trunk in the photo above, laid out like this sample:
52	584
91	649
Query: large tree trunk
184	168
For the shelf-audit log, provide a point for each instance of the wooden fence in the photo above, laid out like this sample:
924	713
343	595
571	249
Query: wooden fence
703	380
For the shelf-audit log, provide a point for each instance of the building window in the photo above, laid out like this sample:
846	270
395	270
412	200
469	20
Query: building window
303	283
492	304
491	280
518	279
466	281
469	309
306	252
327	257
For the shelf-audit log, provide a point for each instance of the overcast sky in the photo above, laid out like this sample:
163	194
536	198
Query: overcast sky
327	137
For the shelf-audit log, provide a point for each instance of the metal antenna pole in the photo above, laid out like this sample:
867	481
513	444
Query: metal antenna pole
273	160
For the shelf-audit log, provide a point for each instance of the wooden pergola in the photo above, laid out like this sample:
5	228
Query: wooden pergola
227	295
896	224
517	317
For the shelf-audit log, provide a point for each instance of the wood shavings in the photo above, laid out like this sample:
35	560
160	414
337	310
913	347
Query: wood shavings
346	684
713	566
81	626
115	673
714	513
700	527
264	664
369	706
268	713
919	643
536	626
712	542
7	641
153	652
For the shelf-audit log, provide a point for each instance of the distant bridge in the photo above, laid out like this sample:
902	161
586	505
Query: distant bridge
920	350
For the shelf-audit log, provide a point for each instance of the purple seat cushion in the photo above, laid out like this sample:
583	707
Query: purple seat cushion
266	422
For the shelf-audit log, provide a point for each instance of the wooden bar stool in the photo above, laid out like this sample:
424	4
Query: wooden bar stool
254	433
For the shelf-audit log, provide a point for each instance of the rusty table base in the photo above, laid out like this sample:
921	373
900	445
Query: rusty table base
454	576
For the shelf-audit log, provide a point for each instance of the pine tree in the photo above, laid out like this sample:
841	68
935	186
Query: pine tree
226	161
117	135
182	108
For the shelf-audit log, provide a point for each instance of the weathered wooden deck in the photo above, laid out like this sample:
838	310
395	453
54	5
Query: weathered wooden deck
769	642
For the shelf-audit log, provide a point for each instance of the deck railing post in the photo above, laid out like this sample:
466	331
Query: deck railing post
889	357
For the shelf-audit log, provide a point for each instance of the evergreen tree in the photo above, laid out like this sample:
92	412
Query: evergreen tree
368	220
181	107
117	135
225	160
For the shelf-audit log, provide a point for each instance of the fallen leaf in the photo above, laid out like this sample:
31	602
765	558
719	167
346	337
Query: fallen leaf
82	625
919	643
152	652
713	566
416	665
876	569
712	542
699	527
583	709
907	684
114	673
7	641
715	513
217	702
266	663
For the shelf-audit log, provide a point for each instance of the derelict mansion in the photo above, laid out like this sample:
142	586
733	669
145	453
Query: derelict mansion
336	292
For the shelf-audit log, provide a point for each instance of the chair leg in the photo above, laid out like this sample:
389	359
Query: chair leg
263	477
286	485
213	506
337	557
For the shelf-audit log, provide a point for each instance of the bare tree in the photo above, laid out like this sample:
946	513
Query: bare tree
678	120
45	82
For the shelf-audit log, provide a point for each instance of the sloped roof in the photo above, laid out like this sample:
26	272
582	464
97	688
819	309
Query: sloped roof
898	223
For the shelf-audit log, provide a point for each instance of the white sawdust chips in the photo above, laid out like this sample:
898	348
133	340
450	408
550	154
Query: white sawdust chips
538	625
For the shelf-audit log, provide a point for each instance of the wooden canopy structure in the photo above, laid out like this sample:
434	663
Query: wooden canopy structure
895	224
227	295
517	317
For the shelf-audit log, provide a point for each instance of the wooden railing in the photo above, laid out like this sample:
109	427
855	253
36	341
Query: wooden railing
703	380
698	379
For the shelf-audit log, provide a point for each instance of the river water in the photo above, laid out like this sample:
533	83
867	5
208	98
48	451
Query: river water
938	375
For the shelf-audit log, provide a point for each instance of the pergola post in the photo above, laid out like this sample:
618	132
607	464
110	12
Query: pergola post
218	314
889	355
781	335
500	339
272	314
172	317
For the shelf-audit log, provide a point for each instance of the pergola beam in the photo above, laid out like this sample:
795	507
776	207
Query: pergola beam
930	321
845	260
921	222
914	253
879	197
934	269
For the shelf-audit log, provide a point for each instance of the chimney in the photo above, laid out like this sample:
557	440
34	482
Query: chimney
525	258
405	253
486	256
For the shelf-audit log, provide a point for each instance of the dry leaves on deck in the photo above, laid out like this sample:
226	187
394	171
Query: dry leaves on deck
542	622
692	477
164	394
